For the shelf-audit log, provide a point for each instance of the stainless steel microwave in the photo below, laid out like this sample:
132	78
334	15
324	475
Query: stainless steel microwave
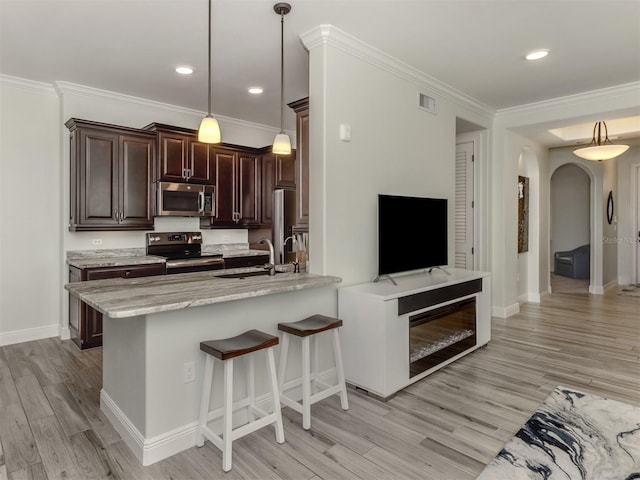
185	200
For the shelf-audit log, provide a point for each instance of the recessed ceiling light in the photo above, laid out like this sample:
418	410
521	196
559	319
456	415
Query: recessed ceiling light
184	70
255	90
537	55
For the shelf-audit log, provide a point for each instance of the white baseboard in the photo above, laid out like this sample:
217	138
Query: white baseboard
505	312
596	290
28	334
152	450
64	332
529	298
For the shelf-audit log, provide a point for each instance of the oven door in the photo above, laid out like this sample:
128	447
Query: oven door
185	200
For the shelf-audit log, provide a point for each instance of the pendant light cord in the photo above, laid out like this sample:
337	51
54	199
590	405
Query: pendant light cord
209	61
281	70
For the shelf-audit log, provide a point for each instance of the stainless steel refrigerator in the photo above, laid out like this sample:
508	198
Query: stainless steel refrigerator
284	218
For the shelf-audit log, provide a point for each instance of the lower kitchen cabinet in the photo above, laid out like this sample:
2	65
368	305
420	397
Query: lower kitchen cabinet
246	261
85	323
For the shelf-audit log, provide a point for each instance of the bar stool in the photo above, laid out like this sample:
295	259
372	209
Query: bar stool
307	330
226	350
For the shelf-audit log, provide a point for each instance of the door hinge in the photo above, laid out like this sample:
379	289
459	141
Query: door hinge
473	157
473	204
471	250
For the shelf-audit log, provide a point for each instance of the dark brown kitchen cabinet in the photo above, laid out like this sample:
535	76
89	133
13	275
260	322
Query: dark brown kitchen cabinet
301	107
237	179
85	323
181	158
246	261
111	177
277	171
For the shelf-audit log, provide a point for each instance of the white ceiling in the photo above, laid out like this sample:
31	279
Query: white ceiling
475	46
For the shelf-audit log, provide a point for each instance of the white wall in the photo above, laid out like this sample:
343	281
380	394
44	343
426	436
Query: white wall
29	211
395	148
532	280
570	209
609	230
627	211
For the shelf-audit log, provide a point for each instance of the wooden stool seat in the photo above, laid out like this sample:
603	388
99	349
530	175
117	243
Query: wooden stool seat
245	343
310	325
308	330
227	350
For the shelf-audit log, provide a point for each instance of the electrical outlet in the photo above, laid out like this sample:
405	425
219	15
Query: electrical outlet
189	372
96	241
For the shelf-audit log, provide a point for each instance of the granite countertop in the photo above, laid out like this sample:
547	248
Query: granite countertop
122	298
137	256
97	262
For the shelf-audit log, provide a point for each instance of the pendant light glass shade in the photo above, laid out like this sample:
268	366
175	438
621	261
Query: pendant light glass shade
599	149
209	131
282	142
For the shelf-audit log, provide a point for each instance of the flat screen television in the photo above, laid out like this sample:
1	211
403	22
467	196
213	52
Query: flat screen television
400	247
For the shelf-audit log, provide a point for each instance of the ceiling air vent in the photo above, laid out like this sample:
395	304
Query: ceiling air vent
427	103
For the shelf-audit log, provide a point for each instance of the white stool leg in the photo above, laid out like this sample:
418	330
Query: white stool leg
314	349
227	420
276	395
306	385
339	369
282	367
251	386
205	398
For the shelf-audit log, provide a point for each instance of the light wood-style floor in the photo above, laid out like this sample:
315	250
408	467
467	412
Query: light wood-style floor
445	427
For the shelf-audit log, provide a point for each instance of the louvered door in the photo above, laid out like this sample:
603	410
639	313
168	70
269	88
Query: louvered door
464	206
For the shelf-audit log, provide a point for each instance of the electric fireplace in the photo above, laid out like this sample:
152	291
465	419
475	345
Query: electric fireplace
439	334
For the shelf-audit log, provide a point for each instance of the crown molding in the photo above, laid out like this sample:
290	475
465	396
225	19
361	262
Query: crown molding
631	90
26	84
68	88
333	36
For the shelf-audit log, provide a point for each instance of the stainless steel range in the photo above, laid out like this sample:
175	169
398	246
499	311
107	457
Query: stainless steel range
183	251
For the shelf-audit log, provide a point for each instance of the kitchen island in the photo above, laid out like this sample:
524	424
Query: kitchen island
153	327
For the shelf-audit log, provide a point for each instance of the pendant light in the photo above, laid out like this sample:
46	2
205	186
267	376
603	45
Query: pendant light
282	142
209	131
599	149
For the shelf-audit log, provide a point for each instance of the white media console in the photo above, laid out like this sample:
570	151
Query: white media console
379	318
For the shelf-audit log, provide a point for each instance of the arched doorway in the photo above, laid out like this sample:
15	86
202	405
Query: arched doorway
570	229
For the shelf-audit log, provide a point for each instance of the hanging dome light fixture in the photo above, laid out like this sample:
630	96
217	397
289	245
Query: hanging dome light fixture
599	149
282	142
209	131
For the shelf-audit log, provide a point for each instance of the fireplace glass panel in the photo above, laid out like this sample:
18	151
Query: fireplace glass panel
440	334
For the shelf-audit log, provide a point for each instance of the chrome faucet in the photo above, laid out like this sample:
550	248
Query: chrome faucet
271	266
284	248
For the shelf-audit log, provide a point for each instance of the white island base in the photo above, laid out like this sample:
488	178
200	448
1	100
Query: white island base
144	392
377	317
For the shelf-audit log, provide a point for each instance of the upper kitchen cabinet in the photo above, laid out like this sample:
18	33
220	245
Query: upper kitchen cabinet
111	177
277	171
237	179
284	168
301	107
181	158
